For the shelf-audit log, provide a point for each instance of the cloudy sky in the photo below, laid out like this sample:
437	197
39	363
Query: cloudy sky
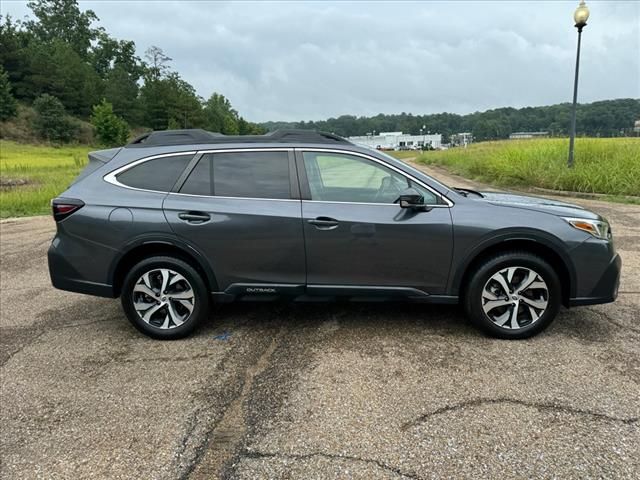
313	60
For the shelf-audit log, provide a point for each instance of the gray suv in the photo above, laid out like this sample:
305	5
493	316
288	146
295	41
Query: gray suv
178	219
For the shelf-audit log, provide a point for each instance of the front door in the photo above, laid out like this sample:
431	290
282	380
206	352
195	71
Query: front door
355	235
242	210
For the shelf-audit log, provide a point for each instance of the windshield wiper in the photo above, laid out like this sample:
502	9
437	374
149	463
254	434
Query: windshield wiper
467	191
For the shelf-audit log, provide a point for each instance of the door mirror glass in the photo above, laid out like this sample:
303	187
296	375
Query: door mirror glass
411	198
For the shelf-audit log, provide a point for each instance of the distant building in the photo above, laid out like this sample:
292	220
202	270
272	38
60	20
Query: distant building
461	139
636	127
520	135
397	140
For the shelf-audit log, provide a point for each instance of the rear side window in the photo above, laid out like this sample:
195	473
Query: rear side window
241	174
159	174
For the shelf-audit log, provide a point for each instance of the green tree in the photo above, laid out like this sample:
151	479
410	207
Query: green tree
219	115
51	121
8	104
157	63
103	54
62	20
62	53
110	129
153	104
154	91
74	81
167	100
55	68
184	106
121	90
13	55
109	53
230	126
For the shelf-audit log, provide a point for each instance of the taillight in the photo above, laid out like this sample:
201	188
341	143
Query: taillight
63	207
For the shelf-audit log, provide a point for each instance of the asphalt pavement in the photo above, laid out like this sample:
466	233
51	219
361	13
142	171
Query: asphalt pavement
312	391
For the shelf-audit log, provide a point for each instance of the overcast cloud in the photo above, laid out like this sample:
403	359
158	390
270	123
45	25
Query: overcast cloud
314	60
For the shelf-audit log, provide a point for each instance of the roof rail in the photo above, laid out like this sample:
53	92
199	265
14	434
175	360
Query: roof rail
199	136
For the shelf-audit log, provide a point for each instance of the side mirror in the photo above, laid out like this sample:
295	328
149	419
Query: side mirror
411	198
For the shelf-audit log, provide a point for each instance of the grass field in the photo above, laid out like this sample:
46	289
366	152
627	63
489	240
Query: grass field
31	175
40	172
602	165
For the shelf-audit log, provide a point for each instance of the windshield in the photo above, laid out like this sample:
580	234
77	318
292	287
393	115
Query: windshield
414	170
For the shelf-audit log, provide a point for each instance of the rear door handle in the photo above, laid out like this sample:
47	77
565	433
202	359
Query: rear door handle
194	217
324	223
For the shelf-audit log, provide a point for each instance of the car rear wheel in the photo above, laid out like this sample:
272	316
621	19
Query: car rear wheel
513	295
164	297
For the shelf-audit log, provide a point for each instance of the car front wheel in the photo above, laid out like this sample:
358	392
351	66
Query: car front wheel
513	295
164	297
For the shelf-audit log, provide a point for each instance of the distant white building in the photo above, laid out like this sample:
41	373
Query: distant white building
461	139
519	135
397	140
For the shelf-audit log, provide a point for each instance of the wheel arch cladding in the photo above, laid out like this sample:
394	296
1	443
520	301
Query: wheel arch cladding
557	261
160	248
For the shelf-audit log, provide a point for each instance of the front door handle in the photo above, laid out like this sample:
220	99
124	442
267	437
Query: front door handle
194	217
324	223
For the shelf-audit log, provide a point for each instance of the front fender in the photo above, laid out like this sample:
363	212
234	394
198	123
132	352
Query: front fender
507	239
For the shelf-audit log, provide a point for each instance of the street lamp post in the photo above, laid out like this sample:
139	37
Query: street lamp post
580	16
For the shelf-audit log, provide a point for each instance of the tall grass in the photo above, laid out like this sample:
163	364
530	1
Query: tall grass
402	154
47	171
602	165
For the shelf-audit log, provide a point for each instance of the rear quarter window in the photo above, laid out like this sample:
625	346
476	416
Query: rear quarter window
159	174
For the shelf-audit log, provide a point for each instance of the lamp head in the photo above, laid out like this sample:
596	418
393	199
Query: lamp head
581	15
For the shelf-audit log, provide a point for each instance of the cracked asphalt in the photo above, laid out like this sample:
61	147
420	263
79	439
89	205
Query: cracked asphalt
312	391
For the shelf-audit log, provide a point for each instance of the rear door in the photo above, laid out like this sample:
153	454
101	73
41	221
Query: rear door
241	208
356	236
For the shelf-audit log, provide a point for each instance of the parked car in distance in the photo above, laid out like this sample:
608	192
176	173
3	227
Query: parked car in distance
176	220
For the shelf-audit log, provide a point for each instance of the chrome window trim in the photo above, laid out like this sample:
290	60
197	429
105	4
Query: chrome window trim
449	203
111	176
369	203
237	198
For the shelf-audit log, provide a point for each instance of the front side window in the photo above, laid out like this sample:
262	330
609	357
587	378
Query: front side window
159	174
241	174
336	177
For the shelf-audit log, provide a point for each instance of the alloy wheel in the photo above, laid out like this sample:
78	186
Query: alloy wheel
515	297
163	298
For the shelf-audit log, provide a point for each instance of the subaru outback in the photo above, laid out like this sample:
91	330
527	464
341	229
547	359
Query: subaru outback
178	219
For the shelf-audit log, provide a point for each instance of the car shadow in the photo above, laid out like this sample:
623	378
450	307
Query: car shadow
354	315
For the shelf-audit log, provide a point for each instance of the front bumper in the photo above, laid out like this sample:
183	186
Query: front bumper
606	289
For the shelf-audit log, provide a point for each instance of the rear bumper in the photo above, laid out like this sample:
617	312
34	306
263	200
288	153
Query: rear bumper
65	277
606	290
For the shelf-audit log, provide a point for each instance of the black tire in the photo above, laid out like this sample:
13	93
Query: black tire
474	302
199	301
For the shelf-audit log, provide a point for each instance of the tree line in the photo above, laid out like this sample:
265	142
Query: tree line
65	66
68	71
608	118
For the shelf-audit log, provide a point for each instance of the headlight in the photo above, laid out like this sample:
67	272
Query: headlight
597	228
